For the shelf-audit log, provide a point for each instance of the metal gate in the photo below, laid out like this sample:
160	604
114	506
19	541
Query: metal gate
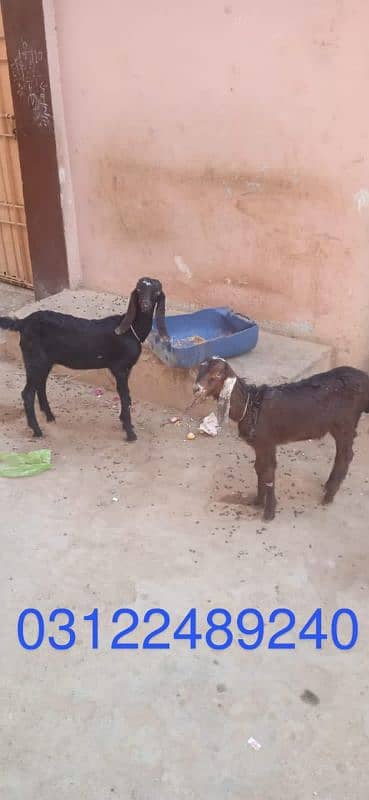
15	262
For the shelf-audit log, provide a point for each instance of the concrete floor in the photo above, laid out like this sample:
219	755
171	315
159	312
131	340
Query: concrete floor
89	724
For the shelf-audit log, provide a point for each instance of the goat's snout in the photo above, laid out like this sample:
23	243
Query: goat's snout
198	391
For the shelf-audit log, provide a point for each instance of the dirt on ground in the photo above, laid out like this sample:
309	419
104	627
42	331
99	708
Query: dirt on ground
164	523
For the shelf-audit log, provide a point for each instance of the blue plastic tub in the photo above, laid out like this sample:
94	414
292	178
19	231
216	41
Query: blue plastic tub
209	332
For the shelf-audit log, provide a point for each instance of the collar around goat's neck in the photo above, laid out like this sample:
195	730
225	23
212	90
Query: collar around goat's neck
245	409
135	334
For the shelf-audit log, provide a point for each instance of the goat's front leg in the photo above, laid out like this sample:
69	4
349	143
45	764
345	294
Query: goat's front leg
259	500
266	482
125	400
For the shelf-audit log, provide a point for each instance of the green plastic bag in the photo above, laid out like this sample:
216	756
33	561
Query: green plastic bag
22	465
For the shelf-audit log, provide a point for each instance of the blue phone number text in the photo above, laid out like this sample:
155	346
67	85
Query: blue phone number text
246	630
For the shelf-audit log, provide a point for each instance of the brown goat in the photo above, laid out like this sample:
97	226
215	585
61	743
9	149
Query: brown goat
267	416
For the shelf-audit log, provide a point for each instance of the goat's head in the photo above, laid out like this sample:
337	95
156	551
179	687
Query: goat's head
149	291
147	296
211	377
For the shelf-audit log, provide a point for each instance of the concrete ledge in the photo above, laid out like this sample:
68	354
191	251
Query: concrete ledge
276	358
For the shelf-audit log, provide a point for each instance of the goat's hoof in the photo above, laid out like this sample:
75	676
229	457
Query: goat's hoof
131	437
327	500
269	514
50	418
38	434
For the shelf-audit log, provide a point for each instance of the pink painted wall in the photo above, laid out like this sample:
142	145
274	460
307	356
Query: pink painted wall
223	147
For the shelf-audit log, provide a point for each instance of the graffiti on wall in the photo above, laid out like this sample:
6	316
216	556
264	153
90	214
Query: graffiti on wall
27	69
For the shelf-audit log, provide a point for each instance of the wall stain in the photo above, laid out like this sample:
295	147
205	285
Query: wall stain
255	234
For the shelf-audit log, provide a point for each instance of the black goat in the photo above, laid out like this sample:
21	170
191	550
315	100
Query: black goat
115	343
267	416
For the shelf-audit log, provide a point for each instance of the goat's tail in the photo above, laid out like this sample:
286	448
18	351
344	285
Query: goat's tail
11	324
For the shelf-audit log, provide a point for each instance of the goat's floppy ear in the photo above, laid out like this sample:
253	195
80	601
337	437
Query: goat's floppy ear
224	400
129	316
160	317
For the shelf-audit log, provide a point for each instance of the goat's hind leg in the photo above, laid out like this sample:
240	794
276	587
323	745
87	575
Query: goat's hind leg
42	399
37	369
28	396
344	455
